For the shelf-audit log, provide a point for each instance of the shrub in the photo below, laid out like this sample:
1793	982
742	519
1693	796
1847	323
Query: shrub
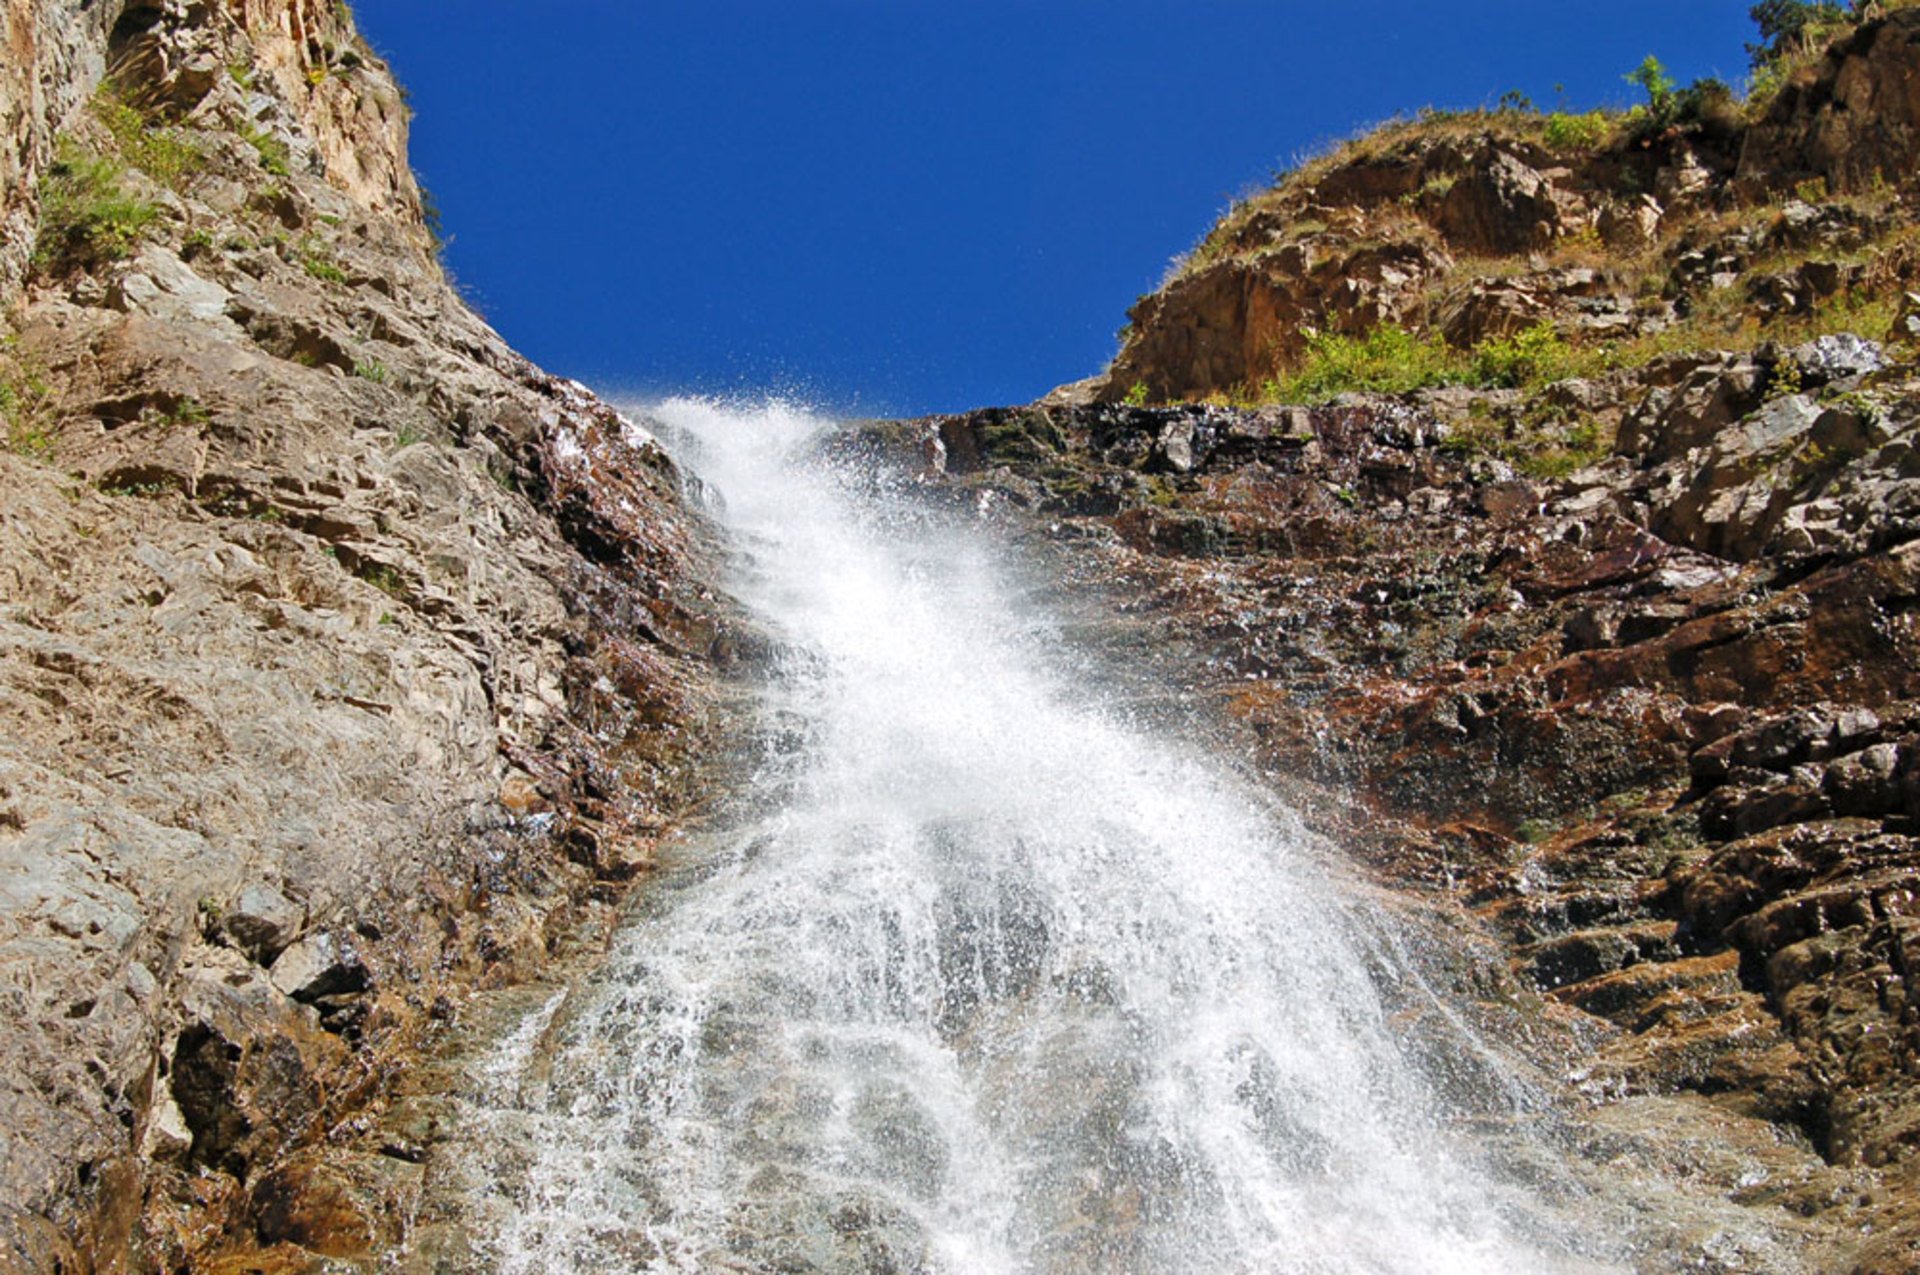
1535	356
86	216
1577	132
1651	75
1387	360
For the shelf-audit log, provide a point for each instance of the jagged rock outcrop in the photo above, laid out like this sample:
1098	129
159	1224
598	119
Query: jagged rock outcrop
1852	120
1667	762
1497	222
346	659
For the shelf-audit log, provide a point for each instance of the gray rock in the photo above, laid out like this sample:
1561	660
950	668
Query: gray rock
1671	422
319	965
262	922
1836	357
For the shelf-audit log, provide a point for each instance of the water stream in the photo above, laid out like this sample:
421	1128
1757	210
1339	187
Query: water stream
984	975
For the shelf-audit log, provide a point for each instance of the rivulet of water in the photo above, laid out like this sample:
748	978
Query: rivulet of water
984	976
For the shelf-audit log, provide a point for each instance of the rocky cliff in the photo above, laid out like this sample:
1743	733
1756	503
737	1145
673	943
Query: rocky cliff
1599	630
346	659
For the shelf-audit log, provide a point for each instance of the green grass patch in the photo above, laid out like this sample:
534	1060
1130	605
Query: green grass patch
145	143
274	155
1387	360
86	214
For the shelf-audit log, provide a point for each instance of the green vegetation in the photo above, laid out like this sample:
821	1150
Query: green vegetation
1136	394
1539	355
183	413
324	270
1540	444
274	155
1387	360
26	409
371	370
1651	75
86	214
145	143
1586	132
1790	28
384	578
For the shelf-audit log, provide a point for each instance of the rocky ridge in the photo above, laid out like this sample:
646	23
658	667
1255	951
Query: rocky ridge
348	662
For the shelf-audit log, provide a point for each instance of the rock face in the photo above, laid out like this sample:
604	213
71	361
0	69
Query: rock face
1670	764
1852	121
1477	227
346	659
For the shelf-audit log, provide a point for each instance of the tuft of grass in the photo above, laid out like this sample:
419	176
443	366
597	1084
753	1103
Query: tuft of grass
274	155
324	270
145	143
26	412
86	214
371	370
185	413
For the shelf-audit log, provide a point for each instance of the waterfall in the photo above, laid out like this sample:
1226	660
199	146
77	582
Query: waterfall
984	975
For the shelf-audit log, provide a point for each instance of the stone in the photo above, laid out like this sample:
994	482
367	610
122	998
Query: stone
317	966
1671	422
166	1137
261	921
1836	357
1500	205
1630	225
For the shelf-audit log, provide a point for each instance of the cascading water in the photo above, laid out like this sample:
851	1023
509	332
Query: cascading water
983	978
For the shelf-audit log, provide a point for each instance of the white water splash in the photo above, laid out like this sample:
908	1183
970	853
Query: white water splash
991	979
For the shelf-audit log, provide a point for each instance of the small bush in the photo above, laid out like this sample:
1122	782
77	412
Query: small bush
86	216
1536	356
1387	360
1577	132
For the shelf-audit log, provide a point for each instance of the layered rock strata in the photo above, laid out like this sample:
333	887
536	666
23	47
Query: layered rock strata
346	659
1651	724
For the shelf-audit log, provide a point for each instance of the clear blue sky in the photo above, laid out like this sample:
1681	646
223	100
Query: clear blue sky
891	206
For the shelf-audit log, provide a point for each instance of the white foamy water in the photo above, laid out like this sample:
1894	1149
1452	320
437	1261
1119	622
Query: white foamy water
987	978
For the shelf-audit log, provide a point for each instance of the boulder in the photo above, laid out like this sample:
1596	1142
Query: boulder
261	921
319	965
1500	205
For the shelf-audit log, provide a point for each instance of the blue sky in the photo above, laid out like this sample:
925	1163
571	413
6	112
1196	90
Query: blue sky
895	207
